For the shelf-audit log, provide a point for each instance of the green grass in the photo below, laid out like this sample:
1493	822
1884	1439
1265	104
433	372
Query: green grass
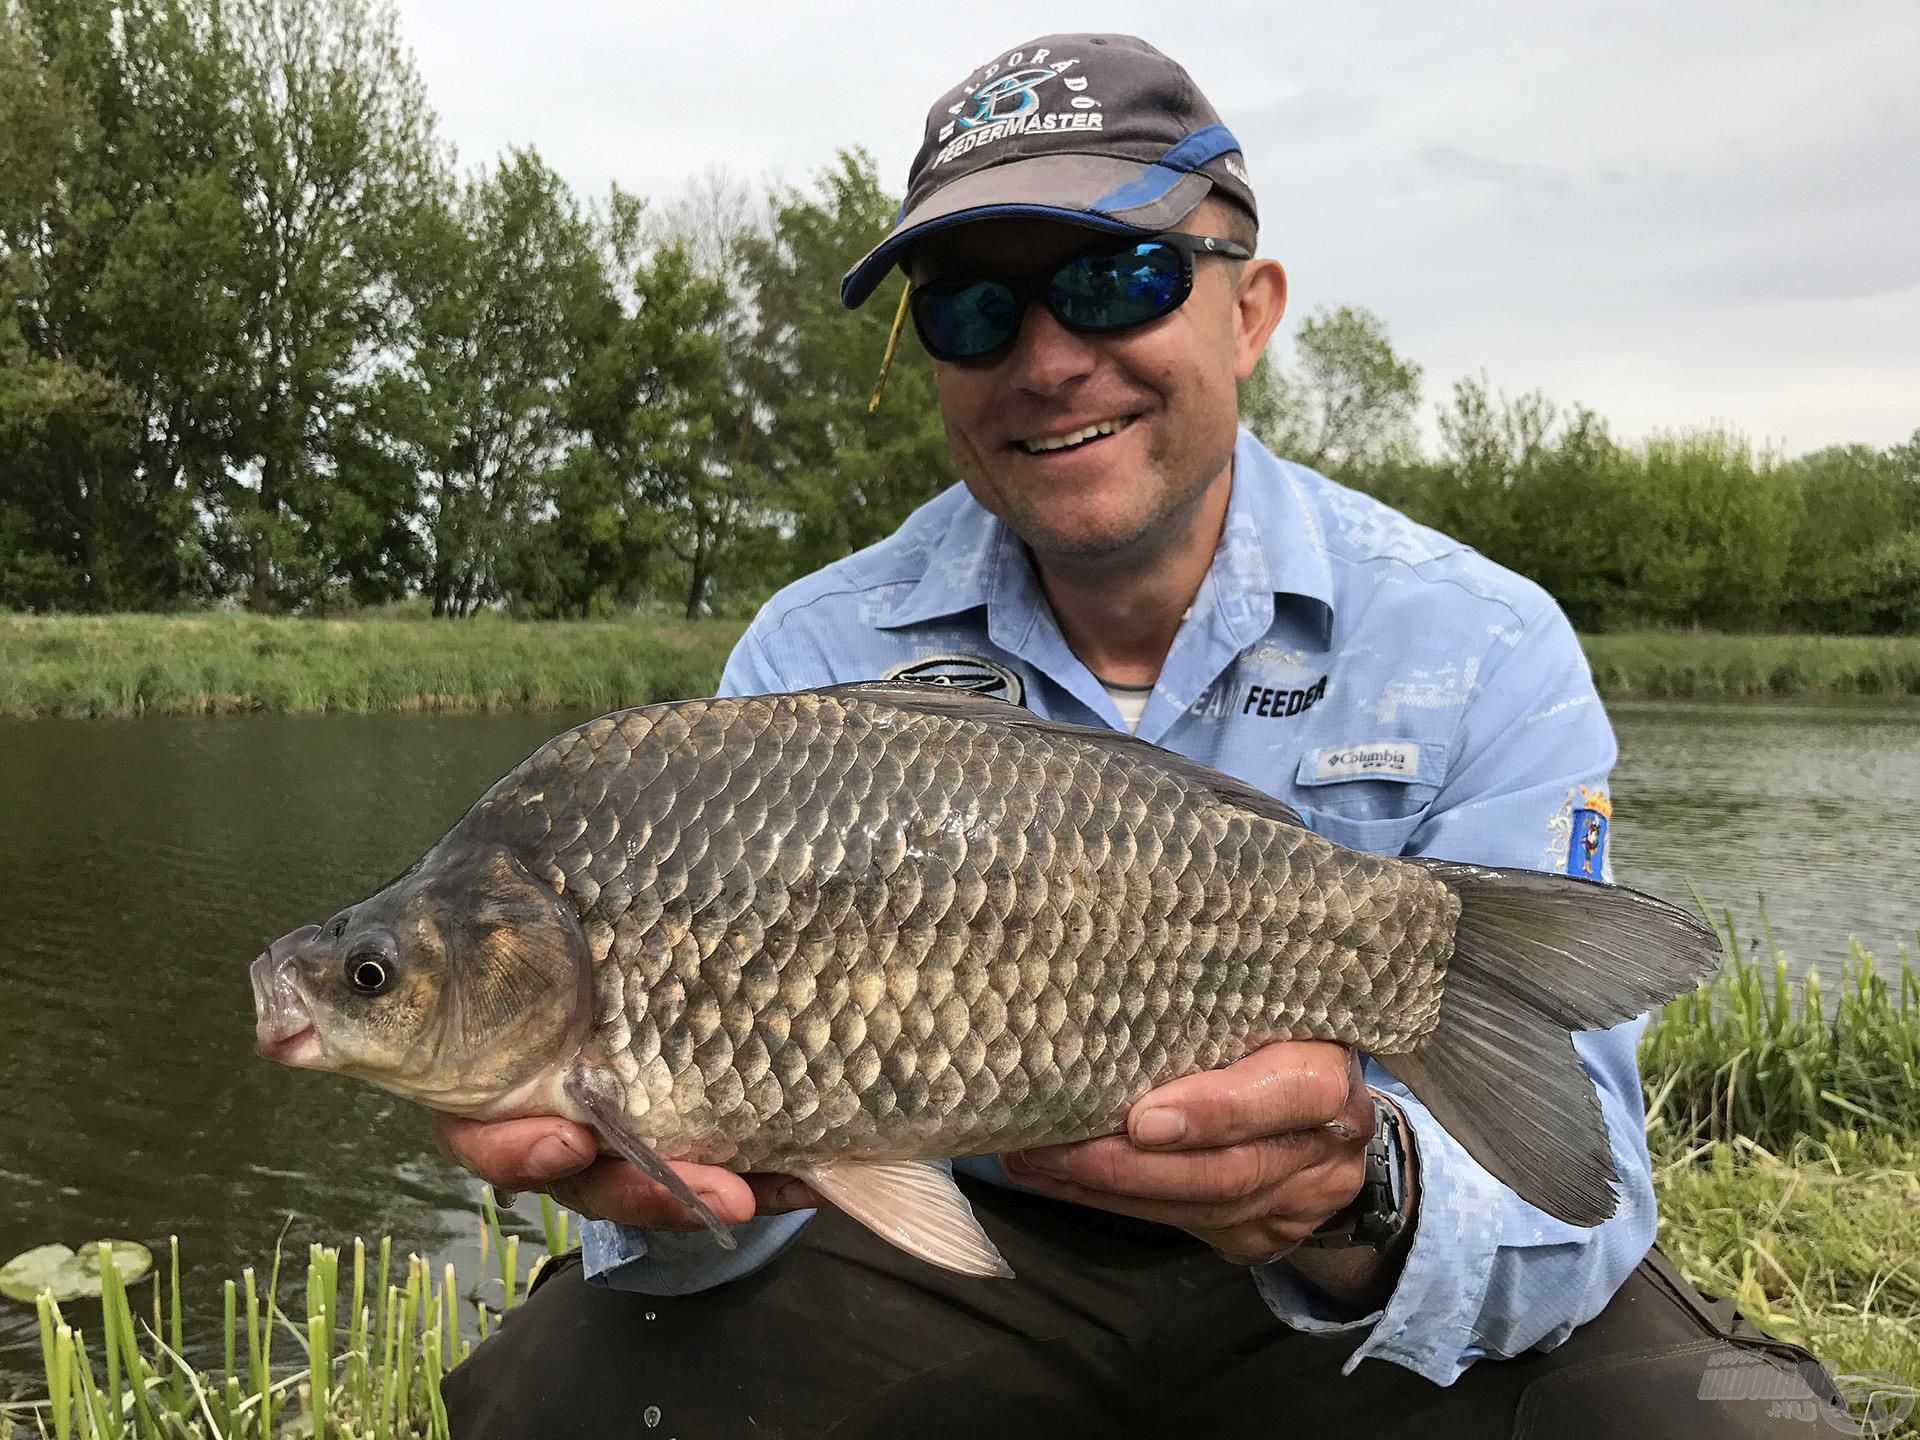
138	664
1677	664
143	664
1819	1244
1785	1128
368	1355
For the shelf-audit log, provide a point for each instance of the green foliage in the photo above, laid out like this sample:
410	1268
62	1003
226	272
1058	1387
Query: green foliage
370	1349
1753	1054
1676	664
846	475
257	342
1347	407
390	658
133	664
1815	1243
1785	1130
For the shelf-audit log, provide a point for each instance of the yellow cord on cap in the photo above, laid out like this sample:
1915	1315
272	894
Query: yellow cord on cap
893	344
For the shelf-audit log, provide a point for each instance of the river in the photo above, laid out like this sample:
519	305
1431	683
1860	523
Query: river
146	861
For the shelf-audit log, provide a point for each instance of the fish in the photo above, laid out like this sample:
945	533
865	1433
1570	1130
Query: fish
846	933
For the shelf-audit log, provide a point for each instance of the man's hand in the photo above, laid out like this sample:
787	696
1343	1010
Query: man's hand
547	1153
1250	1159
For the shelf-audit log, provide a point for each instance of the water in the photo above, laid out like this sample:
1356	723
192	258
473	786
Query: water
146	861
1806	812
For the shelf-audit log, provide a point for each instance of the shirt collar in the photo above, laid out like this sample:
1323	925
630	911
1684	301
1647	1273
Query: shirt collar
1272	545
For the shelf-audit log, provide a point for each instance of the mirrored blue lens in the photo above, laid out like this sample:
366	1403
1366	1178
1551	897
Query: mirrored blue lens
1117	289
968	320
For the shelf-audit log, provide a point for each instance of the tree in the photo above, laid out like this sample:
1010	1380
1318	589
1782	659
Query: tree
1852	504
657	485
338	172
1347	407
843	474
481	404
115	246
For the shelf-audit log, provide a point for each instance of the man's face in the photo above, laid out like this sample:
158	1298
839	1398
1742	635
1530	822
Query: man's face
1169	386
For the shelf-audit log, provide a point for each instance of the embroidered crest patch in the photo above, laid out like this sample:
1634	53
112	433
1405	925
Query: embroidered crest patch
963	672
1587	844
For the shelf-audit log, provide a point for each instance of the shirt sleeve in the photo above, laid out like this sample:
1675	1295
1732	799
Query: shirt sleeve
670	1262
1487	1273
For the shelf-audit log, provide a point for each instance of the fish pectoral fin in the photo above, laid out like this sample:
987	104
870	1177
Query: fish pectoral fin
598	1096
913	1204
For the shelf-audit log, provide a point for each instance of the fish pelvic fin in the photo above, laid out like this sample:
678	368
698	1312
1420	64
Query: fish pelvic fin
1536	957
599	1095
915	1205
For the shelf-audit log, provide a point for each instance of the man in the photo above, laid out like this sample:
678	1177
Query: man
1079	230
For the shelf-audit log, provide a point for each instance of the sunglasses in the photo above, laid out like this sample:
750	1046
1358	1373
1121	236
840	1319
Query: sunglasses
1112	287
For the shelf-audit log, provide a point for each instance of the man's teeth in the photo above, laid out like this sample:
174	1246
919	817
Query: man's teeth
1078	437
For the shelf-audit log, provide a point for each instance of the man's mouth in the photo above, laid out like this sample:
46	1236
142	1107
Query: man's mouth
1074	439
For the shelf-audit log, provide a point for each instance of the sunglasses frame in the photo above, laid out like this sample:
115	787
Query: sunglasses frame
1036	285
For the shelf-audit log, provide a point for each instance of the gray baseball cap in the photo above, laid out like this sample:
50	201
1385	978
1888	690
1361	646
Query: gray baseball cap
1097	130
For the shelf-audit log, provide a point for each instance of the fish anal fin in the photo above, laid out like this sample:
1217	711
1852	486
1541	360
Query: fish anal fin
598	1095
913	1204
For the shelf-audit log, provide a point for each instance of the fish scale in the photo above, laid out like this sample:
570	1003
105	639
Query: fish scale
983	938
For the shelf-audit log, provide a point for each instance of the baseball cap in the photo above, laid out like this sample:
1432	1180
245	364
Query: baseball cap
1097	130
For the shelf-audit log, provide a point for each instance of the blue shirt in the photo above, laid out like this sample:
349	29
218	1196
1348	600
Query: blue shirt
1407	696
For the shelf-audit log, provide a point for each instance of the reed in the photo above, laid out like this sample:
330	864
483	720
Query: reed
66	665
119	665
1754	1055
1679	664
370	1351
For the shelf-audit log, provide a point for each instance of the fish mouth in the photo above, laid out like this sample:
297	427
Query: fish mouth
282	1025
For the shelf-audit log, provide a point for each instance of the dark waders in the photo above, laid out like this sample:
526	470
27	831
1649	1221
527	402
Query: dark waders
1112	1329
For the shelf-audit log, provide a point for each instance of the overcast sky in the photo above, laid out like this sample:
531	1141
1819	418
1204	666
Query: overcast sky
1676	213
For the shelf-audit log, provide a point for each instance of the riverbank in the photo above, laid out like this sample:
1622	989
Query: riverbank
213	663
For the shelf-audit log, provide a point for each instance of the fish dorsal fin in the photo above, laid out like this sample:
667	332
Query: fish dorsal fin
959	704
913	1204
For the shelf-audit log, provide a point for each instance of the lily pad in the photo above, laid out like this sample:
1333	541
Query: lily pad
72	1276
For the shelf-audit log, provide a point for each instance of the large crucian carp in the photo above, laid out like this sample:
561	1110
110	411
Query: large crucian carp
841	933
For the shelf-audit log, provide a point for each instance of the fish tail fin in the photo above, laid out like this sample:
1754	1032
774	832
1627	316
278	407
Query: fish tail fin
1536	957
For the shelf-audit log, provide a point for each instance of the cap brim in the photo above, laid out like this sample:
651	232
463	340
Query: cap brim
1076	189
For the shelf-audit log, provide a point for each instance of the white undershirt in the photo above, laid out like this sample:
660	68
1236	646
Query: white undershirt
1130	701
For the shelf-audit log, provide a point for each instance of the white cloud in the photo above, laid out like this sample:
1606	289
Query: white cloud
1672	214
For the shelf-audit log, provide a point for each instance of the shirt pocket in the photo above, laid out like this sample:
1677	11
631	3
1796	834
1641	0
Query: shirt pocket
1371	810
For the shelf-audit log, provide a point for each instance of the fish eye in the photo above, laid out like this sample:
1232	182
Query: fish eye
368	973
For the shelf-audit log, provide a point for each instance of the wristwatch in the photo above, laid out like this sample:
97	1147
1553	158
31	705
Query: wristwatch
1378	1214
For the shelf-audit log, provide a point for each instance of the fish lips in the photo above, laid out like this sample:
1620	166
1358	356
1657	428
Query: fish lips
282	1024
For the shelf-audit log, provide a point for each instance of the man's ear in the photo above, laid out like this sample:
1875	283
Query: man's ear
1258	305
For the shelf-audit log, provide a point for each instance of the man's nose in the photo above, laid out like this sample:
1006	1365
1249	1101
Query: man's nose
1047	357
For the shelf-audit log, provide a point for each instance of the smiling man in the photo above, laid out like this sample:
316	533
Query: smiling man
1080	234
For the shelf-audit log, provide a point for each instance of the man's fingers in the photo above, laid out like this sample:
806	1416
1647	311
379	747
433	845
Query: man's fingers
1225	1175
777	1194
613	1189
1287	1085
1315	1191
527	1154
